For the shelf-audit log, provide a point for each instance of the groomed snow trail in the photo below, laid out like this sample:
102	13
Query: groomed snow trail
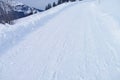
80	43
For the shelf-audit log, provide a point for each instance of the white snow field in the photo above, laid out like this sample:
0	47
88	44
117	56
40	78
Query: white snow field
74	41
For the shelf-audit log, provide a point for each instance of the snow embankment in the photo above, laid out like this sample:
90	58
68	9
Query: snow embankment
78	42
10	35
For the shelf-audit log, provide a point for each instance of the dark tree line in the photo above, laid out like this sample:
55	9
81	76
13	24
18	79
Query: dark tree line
58	3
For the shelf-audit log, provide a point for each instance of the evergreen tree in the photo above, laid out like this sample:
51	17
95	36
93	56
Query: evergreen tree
54	4
63	1
59	2
67	0
48	6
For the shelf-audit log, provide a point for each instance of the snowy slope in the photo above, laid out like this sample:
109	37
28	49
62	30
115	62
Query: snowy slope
73	42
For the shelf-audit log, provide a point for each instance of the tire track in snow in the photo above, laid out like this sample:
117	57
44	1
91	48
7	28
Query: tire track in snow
104	37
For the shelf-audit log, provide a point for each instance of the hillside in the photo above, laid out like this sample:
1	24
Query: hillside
12	10
73	41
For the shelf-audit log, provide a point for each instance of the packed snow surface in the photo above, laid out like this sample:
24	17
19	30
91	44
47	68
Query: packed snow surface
76	41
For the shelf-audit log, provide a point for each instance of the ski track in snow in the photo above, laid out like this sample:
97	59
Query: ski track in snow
86	52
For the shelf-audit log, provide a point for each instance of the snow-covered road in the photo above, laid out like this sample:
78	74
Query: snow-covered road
79	43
